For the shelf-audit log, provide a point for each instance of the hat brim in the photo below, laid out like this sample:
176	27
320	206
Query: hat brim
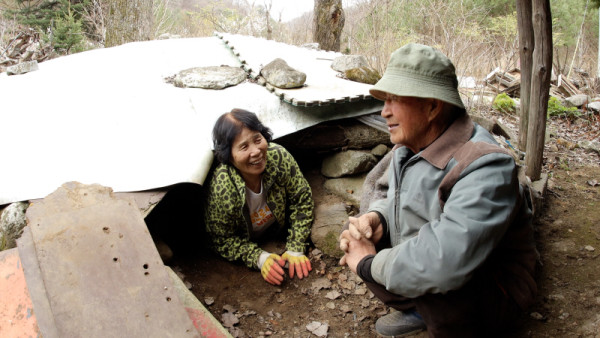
416	86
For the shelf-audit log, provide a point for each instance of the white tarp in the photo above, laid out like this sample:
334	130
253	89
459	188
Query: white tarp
323	84
108	116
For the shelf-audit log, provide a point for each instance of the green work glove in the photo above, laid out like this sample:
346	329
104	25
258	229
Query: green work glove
271	267
298	263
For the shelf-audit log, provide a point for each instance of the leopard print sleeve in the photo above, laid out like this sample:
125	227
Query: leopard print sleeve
225	223
299	203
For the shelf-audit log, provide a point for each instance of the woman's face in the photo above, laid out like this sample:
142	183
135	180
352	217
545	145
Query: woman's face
249	153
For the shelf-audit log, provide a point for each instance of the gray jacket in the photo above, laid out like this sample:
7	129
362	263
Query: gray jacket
444	224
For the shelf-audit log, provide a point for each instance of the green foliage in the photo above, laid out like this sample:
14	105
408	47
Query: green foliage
557	109
67	35
504	26
59	20
494	7
566	20
504	103
41	14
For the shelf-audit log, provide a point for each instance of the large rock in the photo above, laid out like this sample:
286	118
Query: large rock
595	106
577	100
336	135
347	163
210	77
348	188
347	62
380	150
329	220
366	75
12	222
22	68
589	145
279	74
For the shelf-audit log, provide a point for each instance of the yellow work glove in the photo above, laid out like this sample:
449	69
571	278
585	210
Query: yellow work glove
298	263
271	267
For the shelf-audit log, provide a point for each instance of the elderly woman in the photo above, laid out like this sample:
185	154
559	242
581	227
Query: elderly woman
257	189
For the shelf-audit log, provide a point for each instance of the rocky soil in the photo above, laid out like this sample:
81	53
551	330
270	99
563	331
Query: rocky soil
333	302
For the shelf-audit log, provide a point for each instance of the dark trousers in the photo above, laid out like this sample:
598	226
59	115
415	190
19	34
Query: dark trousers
480	308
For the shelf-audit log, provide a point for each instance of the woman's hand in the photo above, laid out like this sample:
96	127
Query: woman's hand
298	263
272	269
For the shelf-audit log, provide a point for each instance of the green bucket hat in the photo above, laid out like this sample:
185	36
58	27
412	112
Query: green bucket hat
419	71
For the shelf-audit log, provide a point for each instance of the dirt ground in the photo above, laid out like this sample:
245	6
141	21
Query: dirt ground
334	301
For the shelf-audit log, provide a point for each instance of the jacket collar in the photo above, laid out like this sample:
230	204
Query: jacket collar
443	148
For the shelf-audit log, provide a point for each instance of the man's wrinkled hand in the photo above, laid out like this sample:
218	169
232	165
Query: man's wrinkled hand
360	227
272	269
344	240
354	250
298	264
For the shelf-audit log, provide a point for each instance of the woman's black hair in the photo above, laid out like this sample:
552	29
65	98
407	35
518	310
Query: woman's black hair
230	125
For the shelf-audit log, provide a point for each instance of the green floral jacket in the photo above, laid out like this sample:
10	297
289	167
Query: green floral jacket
288	196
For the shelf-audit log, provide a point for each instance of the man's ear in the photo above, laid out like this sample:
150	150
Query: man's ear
435	110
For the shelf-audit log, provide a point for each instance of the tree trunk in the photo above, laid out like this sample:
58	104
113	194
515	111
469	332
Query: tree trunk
540	87
526	43
128	21
329	23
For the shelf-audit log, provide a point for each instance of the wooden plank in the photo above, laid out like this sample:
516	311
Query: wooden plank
103	275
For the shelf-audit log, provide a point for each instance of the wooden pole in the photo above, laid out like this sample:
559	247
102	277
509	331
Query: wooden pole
540	87
526	44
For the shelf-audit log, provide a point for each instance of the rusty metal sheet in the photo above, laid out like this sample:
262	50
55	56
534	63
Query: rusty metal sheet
102	273
35	284
203	320
17	318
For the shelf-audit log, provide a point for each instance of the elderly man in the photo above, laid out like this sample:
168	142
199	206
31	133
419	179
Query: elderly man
451	247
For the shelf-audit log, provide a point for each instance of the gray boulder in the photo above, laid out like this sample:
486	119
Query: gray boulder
380	150
595	106
22	68
348	188
346	163
210	77
590	145
577	100
311	45
12	222
347	62
279	74
366	75
336	135
329	220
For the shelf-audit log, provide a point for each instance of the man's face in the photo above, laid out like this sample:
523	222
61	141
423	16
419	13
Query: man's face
407	119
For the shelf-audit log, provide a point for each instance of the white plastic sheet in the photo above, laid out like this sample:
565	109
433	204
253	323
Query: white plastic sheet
108	116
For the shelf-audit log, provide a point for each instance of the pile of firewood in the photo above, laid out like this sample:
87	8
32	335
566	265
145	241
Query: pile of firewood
26	46
509	82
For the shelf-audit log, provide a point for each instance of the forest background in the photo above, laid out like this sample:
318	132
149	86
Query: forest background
478	35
